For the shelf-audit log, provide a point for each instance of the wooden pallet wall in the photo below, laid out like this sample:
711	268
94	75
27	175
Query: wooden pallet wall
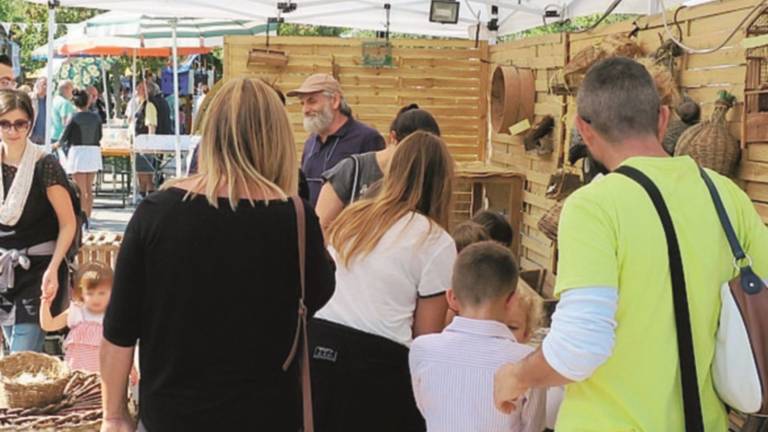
545	55
701	76
444	77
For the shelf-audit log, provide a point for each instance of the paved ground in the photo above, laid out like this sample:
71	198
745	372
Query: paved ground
109	215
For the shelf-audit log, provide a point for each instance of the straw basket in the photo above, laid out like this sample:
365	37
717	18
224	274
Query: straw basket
28	395
710	143
549	222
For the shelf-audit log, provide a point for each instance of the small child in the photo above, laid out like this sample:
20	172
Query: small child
527	314
453	371
83	317
497	225
468	232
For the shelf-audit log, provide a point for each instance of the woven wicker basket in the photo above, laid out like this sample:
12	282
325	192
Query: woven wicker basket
549	222
674	132
21	395
710	143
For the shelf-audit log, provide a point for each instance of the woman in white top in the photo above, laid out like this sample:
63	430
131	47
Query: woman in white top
394	260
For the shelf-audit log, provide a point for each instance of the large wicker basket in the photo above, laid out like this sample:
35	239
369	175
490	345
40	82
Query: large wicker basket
27	395
710	143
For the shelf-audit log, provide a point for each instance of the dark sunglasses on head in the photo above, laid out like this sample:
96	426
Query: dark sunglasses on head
18	125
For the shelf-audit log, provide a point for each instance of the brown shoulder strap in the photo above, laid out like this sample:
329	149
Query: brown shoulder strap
301	324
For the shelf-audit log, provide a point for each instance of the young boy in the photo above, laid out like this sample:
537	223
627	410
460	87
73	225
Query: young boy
467	233
453	371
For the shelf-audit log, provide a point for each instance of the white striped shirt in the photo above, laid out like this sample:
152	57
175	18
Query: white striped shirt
453	372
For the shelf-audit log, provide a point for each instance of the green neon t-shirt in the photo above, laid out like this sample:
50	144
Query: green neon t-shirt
610	236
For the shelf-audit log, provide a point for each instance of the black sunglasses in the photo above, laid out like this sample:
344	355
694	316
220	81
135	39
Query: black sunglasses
18	125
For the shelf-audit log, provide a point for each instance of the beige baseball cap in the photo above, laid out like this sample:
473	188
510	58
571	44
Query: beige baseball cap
317	83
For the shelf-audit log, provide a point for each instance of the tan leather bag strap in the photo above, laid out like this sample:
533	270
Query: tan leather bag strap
300	336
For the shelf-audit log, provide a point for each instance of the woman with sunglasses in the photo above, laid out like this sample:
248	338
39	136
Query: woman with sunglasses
37	225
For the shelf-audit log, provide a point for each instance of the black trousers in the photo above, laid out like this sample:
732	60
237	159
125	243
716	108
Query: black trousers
360	382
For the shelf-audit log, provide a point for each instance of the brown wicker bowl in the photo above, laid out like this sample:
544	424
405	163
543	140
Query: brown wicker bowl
28	395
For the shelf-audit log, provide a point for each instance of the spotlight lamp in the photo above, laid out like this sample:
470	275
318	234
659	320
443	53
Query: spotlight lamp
444	11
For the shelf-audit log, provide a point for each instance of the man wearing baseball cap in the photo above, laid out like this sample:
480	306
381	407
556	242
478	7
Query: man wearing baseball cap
334	134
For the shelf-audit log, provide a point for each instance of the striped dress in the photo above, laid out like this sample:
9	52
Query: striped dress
81	347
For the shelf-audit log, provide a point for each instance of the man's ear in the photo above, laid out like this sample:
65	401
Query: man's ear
664	114
392	137
337	101
585	130
453	301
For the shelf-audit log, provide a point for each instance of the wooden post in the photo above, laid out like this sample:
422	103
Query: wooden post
516	213
485	78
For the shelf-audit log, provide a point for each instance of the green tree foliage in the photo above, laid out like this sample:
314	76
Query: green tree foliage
21	11
287	29
569	25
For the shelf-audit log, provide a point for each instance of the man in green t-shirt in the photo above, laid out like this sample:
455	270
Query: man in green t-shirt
63	109
612	340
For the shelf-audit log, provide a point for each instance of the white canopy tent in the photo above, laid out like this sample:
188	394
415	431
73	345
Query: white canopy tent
406	16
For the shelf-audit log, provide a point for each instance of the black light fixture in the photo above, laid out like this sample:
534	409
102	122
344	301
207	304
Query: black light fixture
444	11
286	7
493	23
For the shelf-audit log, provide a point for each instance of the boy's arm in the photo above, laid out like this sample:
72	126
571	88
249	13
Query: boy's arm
49	322
413	364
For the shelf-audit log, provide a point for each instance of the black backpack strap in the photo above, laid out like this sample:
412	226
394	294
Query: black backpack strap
750	282
688	377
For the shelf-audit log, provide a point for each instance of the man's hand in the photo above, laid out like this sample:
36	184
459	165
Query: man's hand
508	388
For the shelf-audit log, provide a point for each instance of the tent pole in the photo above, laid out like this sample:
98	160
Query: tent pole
49	67
106	88
175	54
133	76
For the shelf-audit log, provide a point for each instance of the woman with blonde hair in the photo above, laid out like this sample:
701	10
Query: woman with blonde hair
394	261
207	281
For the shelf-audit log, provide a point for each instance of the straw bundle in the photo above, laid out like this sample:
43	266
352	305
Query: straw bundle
617	45
665	82
710	142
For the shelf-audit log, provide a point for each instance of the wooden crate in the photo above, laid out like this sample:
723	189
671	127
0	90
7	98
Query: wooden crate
497	189
100	246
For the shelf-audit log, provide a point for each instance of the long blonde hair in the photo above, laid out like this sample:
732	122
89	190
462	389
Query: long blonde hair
246	141
420	179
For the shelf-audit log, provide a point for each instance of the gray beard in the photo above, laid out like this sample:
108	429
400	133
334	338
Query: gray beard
319	122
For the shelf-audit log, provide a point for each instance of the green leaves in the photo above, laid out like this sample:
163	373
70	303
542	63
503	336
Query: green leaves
31	37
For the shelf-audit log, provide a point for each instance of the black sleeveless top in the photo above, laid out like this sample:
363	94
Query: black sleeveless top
38	224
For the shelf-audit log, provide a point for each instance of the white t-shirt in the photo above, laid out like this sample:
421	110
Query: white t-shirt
79	313
377	293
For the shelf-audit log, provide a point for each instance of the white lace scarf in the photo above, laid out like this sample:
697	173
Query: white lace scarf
12	206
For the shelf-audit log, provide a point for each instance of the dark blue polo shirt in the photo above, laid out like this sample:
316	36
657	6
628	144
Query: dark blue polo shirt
318	157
